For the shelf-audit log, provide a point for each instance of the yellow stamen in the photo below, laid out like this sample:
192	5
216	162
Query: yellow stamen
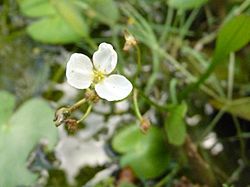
98	76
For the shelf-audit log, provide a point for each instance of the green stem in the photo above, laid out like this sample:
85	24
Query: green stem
167	25
172	90
242	143
155	73
86	113
186	26
231	76
203	63
187	74
154	104
212	124
245	4
236	174
137	110
168	177
77	105
242	135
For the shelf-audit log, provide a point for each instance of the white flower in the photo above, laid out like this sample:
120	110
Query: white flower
81	73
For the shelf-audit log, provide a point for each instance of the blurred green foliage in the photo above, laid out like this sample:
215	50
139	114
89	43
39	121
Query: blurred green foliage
63	21
191	62
19	133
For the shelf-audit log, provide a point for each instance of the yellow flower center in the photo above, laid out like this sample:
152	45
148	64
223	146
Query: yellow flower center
98	76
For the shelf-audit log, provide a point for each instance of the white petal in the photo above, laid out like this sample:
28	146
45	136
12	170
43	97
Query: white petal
79	71
105	58
114	88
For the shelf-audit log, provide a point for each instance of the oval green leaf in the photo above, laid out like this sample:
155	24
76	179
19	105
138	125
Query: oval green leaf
72	15
53	30
175	126
36	8
144	153
27	126
233	35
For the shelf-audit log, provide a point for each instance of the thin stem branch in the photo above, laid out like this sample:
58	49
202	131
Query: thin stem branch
186	73
137	110
212	124
86	113
230	76
235	175
245	4
172	90
153	103
169	19
242	142
155	72
76	105
188	23
168	177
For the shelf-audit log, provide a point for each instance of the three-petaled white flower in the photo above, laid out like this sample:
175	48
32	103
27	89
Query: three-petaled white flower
81	74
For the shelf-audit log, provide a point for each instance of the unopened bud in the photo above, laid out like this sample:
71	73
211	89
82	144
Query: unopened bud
145	125
61	115
71	124
130	41
126	175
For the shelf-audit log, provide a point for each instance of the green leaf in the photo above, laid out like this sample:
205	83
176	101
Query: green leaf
186	4
36	8
105	11
237	107
72	15
28	125
122	146
7	105
144	153
126	184
53	30
233	35
175	126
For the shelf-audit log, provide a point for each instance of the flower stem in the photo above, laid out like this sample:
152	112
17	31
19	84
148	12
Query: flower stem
231	76
86	113
76	105
137	110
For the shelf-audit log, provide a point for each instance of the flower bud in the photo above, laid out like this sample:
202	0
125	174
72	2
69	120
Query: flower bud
60	116
71	124
130	41
145	125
